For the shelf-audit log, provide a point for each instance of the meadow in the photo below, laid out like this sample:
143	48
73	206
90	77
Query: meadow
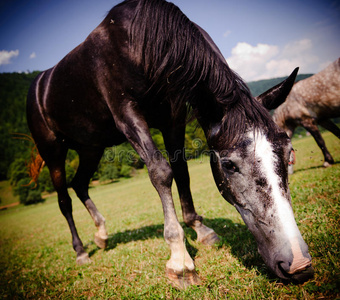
37	260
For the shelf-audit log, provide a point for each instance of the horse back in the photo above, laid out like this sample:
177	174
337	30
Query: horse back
79	97
317	96
320	93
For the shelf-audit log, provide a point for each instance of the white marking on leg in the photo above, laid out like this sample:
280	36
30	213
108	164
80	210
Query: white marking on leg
180	258
98	219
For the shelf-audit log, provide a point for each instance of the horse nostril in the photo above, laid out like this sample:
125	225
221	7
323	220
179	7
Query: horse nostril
284	267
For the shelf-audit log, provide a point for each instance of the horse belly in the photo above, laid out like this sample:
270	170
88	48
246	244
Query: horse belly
326	106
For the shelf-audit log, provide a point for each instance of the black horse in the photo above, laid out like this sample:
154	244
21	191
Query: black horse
146	65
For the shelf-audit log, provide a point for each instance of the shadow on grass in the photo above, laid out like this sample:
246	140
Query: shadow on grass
127	236
315	167
233	235
140	234
241	242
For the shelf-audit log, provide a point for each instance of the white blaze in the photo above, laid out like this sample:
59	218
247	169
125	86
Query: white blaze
265	155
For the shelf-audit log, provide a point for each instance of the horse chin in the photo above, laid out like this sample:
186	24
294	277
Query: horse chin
304	275
300	276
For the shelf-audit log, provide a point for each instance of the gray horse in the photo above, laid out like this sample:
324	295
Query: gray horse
311	102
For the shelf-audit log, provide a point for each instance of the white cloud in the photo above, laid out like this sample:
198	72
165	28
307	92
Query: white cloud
5	56
33	55
296	47
249	61
265	61
227	33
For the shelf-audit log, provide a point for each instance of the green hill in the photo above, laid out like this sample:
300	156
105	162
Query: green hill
260	86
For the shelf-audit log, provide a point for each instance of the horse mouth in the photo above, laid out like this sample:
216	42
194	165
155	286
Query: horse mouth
299	276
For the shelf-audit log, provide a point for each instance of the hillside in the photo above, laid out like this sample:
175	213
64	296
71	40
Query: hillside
13	91
260	86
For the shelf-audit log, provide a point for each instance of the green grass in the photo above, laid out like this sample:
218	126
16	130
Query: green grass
37	260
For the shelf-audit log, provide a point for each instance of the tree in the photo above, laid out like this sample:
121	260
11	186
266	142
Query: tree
44	181
109	172
19	178
27	195
17	171
13	93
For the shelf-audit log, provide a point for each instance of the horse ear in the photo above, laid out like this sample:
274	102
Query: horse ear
275	96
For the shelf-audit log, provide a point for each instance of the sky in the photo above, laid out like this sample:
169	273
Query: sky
260	39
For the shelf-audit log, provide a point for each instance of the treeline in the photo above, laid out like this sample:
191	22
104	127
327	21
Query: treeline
119	161
13	91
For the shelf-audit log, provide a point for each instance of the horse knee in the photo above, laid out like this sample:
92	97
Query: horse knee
173	233
160	173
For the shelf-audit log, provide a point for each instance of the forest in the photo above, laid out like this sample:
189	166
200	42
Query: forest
119	161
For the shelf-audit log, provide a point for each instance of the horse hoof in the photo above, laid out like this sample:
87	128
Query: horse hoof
83	259
326	164
290	170
211	239
183	279
100	242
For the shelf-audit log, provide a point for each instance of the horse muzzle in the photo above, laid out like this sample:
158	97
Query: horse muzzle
300	275
293	262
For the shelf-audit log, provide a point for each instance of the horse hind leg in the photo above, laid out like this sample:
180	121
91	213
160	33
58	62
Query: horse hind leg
330	126
88	162
55	156
205	235
311	126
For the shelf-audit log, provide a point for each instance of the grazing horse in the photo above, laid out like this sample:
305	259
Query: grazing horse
144	66
312	102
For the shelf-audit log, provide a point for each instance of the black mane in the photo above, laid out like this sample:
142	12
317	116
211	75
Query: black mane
181	65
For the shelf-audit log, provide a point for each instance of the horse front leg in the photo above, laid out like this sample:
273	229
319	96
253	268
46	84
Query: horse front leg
174	141
180	268
205	235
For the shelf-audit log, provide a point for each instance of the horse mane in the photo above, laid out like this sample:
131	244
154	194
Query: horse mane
180	63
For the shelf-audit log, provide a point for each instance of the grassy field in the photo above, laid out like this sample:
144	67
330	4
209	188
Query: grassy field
37	260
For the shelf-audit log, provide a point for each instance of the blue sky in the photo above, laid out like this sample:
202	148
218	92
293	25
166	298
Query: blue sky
259	38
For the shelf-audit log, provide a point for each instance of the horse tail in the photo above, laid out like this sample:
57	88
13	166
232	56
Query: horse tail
36	163
35	166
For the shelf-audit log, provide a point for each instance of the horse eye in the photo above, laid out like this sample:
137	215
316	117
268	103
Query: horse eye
229	166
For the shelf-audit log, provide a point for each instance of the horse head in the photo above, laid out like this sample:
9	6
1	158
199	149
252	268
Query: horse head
252	175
